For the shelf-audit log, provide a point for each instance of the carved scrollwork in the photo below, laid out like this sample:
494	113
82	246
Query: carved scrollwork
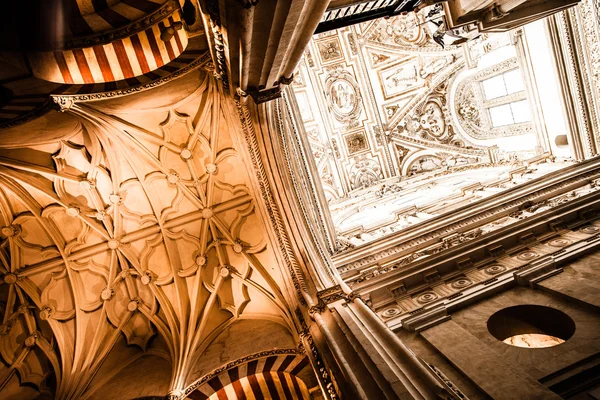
331	295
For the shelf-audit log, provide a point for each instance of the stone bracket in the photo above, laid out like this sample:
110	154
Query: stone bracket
331	295
537	272
426	319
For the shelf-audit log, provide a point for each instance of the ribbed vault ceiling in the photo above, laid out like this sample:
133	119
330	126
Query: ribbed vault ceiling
136	230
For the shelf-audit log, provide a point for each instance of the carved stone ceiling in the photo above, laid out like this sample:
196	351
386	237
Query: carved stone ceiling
400	128
134	233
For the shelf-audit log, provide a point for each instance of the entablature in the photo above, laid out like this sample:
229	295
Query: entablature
468	222
534	236
424	296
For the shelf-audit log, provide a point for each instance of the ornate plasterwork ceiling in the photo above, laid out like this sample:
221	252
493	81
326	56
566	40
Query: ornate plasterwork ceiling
134	234
392	116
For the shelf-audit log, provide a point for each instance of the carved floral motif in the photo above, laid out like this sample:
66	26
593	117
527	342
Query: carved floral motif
356	142
330	50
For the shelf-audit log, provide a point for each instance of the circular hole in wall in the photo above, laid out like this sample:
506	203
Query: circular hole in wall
531	326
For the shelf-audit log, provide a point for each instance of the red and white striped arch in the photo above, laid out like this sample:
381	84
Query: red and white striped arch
121	59
273	377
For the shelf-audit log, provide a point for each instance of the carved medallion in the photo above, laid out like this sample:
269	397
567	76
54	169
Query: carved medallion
559	242
343	96
461	282
356	142
590	230
494	269
427	297
390	312
527	255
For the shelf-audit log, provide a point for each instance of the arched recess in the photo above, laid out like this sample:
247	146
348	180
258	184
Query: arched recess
414	157
124	383
240	340
284	373
470	109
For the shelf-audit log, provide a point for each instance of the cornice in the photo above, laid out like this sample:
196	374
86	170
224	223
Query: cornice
407	273
480	212
163	11
529	274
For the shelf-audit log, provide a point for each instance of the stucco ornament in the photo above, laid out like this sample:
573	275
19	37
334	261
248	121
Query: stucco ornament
343	95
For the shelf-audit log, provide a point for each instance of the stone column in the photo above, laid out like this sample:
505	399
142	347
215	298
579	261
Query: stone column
372	361
355	355
256	45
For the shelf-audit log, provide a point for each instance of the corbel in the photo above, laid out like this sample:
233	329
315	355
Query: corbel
537	271
426	318
331	295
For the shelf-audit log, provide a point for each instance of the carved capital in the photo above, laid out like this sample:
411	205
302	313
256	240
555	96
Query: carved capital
331	295
175	395
261	96
286	81
248	3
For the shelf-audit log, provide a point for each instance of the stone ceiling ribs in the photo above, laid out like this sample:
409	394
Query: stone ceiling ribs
146	227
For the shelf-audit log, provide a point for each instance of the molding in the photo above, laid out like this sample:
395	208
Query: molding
331	295
65	101
304	163
531	87
547	267
483	253
427	319
450	386
485	277
569	53
283	240
472	110
323	373
537	271
37	113
562	54
219	47
478	213
262	96
233	364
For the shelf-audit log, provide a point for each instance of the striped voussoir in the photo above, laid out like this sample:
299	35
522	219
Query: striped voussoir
93	16
272	377
122	59
18	109
189	57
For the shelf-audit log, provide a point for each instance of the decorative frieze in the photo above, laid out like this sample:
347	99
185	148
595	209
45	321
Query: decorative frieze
528	205
417	308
